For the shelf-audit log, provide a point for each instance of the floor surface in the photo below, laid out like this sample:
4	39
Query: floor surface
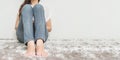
65	49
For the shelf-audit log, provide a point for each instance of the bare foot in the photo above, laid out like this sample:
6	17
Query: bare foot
30	49
40	49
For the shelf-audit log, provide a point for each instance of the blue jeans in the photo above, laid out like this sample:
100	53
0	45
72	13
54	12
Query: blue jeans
32	30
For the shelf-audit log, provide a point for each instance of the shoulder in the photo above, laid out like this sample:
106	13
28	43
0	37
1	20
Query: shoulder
44	4
46	9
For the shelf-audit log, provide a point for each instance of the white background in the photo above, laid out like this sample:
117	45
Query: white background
70	18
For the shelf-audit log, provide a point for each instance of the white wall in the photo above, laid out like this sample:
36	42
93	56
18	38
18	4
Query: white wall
70	18
8	10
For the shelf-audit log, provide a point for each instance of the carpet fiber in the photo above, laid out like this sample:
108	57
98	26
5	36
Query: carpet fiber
65	49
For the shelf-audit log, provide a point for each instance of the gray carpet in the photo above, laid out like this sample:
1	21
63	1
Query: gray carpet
65	49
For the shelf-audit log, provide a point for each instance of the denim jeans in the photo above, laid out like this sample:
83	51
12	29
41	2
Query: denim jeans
32	30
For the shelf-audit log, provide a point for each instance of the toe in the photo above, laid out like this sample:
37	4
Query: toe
29	54
44	54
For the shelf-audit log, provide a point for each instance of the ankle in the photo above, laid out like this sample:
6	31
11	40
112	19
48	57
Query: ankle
30	44
39	42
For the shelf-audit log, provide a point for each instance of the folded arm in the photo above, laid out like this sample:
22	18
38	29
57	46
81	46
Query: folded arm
49	25
17	21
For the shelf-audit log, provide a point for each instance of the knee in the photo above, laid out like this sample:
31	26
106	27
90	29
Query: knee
38	6
26	7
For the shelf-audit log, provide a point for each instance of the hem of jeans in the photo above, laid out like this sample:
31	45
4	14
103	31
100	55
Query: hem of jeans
19	40
25	42
41	39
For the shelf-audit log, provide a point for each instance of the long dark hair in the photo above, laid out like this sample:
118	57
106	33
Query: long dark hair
25	2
